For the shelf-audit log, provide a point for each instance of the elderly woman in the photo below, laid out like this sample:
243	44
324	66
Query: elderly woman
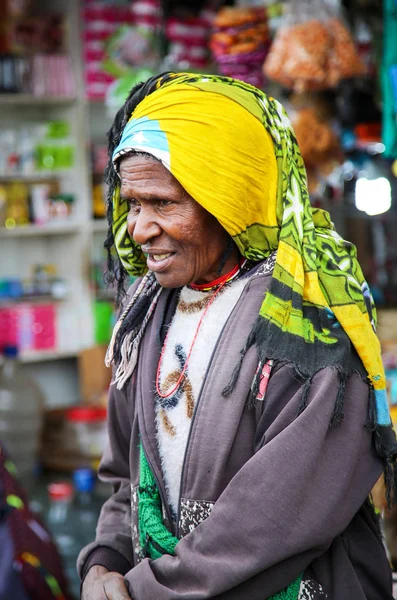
248	418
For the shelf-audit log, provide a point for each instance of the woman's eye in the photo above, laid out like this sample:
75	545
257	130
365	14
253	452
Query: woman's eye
134	204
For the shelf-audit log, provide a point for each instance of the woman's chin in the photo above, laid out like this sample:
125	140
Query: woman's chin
172	280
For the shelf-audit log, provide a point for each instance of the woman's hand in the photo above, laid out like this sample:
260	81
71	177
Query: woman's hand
101	584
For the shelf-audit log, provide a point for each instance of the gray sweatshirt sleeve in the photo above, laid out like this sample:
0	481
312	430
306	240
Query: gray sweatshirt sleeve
282	510
112	547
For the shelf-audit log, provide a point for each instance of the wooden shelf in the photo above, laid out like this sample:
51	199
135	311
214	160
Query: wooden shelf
42	176
31	230
47	355
38	299
30	100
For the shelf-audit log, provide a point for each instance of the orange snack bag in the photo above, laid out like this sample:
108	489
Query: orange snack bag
313	55
343	61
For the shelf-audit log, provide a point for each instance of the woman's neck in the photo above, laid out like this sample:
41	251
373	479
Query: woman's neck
228	275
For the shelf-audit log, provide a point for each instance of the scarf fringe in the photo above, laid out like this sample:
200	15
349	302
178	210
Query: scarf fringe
109	358
338	414
371	418
386	447
226	392
384	436
129	350
305	396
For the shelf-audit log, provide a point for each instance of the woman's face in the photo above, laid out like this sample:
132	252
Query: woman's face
182	241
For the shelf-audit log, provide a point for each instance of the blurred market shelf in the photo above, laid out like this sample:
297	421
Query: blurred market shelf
30	100
99	225
106	295
47	355
35	299
41	176
31	230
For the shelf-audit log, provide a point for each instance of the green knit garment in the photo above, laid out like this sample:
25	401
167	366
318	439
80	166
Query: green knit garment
154	536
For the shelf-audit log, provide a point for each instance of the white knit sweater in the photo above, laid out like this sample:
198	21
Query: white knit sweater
174	414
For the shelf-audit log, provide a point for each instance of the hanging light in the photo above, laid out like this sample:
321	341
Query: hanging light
373	196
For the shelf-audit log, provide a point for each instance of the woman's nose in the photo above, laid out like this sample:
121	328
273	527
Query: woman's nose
143	227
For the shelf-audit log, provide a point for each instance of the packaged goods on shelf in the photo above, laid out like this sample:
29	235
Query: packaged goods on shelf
34	59
104	318
51	75
29	34
98	200
28	326
99	156
44	284
22	203
16	204
73	438
14	74
36	148
44	75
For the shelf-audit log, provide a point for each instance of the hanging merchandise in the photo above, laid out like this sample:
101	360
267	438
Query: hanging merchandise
240	43
187	38
389	79
132	52
101	20
313	49
130	47
318	144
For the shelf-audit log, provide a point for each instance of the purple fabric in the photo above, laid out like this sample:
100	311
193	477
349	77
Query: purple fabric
10	584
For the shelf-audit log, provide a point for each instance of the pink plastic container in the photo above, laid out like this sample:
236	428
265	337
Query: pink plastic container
29	327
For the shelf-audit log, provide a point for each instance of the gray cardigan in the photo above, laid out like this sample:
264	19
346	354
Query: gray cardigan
265	495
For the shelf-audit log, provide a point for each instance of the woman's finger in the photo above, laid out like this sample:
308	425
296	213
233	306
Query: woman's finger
115	588
94	591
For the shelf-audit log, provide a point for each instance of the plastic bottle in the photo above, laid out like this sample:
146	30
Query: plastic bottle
87	505
21	415
60	497
61	523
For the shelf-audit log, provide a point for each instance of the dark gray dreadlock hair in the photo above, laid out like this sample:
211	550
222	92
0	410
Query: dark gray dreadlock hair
115	272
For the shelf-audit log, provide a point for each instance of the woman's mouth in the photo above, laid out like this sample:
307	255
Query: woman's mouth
159	261
158	257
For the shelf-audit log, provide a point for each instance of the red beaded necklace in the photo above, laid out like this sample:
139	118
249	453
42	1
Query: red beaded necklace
206	287
217	285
